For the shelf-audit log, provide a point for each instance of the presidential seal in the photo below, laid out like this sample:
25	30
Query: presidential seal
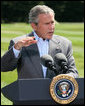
63	89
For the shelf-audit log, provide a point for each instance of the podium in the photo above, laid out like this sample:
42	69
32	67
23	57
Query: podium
36	92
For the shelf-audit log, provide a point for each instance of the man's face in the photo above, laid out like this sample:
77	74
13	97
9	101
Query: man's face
46	25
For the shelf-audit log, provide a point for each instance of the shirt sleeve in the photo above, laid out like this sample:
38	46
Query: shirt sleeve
16	52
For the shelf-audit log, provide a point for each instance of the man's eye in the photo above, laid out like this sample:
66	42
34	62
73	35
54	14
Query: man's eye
46	23
49	23
52	22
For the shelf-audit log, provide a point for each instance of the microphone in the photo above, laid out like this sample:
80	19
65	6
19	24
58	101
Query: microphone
48	62
61	60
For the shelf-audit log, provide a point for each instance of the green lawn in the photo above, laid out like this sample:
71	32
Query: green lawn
73	31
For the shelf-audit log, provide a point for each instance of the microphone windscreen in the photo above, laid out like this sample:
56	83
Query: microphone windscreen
59	57
45	59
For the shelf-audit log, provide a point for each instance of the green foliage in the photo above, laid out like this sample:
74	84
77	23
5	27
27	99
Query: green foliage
73	31
65	11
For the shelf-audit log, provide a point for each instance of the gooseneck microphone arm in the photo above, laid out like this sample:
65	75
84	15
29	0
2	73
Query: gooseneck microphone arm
52	67
64	67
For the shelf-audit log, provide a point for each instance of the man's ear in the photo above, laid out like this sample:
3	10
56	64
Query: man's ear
34	26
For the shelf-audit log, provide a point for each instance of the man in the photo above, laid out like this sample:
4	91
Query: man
25	51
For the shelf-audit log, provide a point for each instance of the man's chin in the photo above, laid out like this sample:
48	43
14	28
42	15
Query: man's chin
49	36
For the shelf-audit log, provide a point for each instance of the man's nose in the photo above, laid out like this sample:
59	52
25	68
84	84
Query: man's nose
51	26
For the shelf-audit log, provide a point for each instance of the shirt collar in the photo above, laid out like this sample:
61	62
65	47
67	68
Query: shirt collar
37	37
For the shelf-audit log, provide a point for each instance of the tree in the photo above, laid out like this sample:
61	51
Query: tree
65	11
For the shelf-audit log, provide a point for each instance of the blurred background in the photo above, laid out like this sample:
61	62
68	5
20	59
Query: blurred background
69	17
66	11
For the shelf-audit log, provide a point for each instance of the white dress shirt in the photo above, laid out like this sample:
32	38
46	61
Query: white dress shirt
43	49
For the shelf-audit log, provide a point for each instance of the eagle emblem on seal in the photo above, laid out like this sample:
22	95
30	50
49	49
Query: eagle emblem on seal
64	89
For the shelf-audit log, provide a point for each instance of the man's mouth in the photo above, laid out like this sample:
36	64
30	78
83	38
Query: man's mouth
50	32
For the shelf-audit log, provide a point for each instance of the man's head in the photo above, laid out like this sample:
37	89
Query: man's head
42	20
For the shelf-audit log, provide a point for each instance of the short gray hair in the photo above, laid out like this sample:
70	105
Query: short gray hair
39	9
